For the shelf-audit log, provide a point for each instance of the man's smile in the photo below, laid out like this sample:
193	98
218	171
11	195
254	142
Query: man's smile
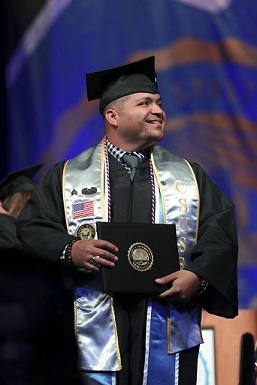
154	121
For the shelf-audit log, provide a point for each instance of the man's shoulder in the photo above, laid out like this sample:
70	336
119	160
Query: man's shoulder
84	159
83	154
167	154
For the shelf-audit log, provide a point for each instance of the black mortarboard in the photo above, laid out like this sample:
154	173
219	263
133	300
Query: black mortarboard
20	180
113	83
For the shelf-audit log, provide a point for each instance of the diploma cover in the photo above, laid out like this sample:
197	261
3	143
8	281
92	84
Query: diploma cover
146	252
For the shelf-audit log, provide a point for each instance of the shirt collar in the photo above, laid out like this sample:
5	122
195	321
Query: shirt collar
118	152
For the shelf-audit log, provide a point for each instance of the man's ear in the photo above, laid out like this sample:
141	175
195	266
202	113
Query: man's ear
111	116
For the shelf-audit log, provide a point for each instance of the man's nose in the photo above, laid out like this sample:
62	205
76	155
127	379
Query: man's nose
157	110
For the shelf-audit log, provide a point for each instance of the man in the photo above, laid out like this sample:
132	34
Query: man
132	339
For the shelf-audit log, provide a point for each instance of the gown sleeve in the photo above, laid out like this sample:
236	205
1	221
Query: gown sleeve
214	257
41	225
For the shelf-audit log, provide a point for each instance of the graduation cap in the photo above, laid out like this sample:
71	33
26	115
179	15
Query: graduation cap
20	180
113	83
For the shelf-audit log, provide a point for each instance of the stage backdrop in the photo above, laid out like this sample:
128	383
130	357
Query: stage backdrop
206	59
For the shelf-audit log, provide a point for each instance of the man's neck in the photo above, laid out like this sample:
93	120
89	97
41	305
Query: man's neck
128	147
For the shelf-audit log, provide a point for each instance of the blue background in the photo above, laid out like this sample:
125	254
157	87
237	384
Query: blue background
207	74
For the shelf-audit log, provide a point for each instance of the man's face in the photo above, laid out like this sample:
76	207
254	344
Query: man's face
140	121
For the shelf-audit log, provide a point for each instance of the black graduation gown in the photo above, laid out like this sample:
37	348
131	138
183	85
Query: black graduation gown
131	202
41	227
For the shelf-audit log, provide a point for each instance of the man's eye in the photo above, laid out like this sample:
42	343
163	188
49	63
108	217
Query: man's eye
143	103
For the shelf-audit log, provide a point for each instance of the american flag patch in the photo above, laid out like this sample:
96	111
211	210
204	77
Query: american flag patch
83	209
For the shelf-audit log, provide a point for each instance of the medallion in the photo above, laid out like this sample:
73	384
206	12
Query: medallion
86	231
140	256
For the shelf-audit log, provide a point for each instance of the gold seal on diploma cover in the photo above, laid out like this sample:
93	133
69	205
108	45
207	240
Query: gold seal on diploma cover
140	256
86	231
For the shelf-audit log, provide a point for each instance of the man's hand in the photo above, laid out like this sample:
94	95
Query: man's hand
102	252
183	285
